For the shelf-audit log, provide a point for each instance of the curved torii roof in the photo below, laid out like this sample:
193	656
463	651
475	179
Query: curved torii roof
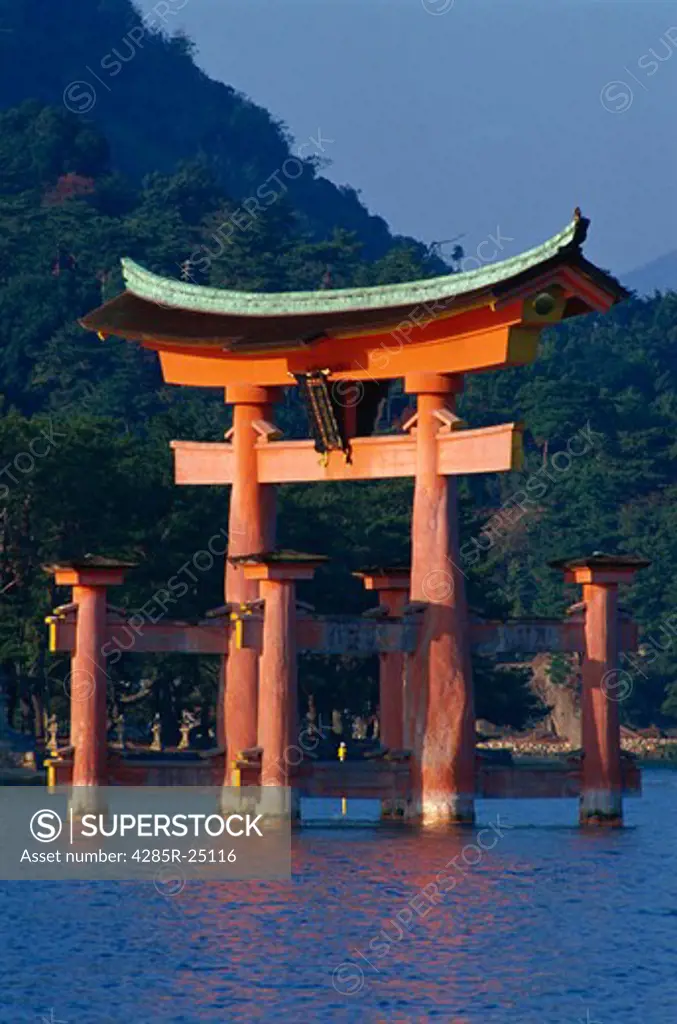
179	318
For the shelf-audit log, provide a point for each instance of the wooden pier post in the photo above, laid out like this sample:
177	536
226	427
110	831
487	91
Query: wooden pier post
392	586
601	801
276	574
90	579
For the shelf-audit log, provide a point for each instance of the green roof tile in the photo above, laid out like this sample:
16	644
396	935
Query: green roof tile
200	299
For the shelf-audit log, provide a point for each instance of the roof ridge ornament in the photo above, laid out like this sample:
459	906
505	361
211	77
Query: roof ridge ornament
581	230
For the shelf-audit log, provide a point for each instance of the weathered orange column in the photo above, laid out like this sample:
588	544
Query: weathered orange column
442	725
277	573
251	530
88	678
392	586
601	801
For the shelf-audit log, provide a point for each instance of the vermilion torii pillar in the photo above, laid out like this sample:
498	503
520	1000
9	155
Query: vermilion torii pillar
602	685
277	573
392	586
89	579
442	727
251	529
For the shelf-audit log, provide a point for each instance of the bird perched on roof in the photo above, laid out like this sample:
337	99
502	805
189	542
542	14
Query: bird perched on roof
581	230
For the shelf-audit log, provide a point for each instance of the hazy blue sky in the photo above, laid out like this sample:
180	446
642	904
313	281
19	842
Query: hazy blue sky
486	114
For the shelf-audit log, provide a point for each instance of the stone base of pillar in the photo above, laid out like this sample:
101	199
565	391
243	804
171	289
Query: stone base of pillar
601	808
395	809
449	809
239	800
87	800
277	802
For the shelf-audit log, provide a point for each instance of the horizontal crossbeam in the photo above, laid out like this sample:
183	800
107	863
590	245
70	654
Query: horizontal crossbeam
147	638
335	635
475	339
482	450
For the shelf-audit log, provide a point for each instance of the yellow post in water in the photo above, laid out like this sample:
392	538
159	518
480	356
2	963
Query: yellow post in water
342	751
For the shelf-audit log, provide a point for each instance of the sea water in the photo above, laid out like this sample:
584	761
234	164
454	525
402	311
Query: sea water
546	925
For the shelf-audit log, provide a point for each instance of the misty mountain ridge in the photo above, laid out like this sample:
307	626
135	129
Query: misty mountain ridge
659	275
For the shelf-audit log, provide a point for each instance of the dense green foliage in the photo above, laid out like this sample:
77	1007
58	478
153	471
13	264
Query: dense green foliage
85	463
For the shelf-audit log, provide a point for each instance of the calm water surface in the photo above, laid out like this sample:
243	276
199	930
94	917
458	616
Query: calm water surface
550	926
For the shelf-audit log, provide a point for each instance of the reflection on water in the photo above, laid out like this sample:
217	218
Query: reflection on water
546	925
334	810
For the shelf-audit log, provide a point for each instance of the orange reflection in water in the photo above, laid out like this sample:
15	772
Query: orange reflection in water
363	899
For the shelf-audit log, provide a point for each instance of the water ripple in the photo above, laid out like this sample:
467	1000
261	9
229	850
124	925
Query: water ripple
550	926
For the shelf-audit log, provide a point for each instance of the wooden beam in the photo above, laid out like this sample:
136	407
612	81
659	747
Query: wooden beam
341	634
317	635
468	339
484	450
333	634
267	431
540	636
481	450
356	637
385	355
449	420
534	636
147	638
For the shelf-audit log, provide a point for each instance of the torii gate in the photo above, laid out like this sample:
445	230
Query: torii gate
428	333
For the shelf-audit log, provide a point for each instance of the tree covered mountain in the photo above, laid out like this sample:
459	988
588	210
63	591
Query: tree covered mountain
135	78
156	170
97	414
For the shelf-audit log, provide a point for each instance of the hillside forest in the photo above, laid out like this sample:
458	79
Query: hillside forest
85	424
